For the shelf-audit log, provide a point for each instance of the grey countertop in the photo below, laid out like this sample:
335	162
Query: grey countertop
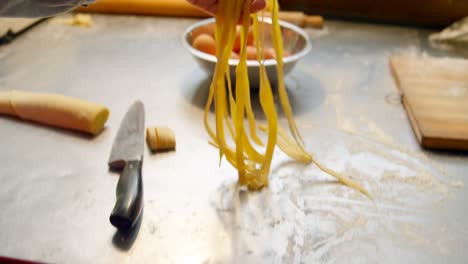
56	193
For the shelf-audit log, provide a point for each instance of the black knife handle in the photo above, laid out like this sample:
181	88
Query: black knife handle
129	194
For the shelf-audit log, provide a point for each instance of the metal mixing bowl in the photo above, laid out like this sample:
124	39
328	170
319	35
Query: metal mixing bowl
295	42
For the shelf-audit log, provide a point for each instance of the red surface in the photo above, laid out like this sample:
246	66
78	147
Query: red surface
6	260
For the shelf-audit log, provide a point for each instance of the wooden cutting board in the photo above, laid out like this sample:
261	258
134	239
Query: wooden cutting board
435	96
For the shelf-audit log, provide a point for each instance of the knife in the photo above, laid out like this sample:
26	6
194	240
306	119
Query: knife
11	28
127	157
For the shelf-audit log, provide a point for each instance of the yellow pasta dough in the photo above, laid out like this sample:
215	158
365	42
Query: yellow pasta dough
160	138
82	20
55	110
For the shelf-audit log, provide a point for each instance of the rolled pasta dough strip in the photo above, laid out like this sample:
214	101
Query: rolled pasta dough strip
55	110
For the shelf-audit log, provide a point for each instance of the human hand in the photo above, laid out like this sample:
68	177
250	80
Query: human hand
210	6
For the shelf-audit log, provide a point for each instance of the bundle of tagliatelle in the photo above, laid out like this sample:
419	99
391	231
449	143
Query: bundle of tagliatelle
238	142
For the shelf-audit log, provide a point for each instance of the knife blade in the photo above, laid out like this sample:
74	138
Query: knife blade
127	157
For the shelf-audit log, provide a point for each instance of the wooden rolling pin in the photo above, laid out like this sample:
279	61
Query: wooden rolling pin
300	19
54	110
146	7
184	9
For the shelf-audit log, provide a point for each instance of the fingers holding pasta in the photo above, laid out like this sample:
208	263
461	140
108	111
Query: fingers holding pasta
211	6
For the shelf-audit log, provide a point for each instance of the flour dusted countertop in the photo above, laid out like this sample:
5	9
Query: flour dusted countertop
57	193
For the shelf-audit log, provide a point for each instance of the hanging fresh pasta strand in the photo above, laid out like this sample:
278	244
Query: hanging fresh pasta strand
208	105
223	30
283	95
239	124
267	103
248	101
251	153
268	107
232	108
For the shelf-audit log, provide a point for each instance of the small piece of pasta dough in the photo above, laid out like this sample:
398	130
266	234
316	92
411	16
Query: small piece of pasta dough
160	138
